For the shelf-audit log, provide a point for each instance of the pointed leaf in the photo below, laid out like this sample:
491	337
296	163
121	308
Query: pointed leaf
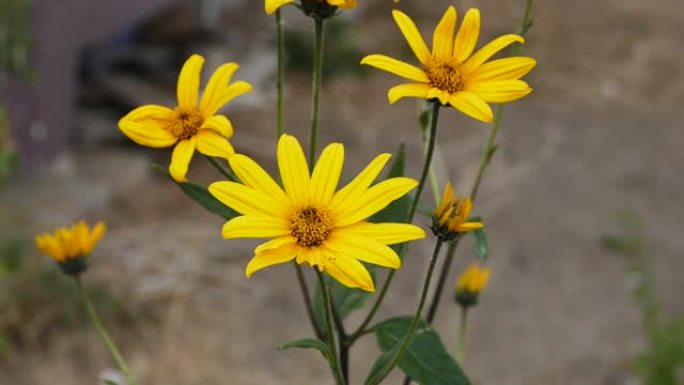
481	247
308	343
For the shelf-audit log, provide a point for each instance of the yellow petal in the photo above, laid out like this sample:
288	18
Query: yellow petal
271	6
472	106
220	124
294	171
229	93
249	226
412	35
503	69
351	192
343	4
396	67
180	159
269	258
443	37
246	200
413	90
470	226
94	237
145	126
252	175
217	84
489	50
373	200
441	95
500	91
349	272
275	243
188	86
210	143
467	36
363	248
387	233
326	174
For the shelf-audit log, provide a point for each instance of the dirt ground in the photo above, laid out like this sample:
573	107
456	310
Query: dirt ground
601	133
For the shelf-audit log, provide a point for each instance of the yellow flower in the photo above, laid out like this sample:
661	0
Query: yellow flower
70	246
452	73
473	280
191	125
271	6
451	216
309	221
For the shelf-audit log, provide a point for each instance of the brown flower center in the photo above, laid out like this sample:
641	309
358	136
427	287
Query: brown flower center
446	75
311	226
185	123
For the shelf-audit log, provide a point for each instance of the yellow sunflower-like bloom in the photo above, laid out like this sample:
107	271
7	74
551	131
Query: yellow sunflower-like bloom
309	220
451	72
69	246
191	125
271	6
451	216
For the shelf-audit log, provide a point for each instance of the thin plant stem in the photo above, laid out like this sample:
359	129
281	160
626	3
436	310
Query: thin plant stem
361	330
461	351
330	336
280	42
102	332
408	338
225	171
443	275
307	299
316	86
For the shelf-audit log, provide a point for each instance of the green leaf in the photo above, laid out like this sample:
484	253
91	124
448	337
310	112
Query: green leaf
308	343
201	195
481	247
109	382
426	360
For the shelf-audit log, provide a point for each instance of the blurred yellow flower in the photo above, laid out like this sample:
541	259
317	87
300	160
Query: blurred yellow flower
271	6
473	280
191	125
451	216
451	72
69	246
309	221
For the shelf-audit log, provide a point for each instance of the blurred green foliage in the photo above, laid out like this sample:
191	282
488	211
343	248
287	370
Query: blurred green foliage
15	36
7	152
662	362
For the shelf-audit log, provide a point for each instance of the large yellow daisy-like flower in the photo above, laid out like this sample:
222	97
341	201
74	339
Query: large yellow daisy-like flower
451	72
309	221
272	5
191	125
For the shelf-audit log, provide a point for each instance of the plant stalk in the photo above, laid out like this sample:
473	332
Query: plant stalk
316	86
330	331
280	42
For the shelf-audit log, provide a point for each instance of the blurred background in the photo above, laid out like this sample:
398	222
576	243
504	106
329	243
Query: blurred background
583	200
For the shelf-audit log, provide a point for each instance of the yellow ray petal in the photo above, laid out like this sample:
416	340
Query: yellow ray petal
210	143
187	89
220	124
180	159
94	237
443	37
343	4
500	91
145	126
489	50
349	272
411	90
326	174
467	36
249	226
396	67
246	200
412	35
351	192
373	200
252	175
441	95
271	6
470	226
226	95
294	172
363	248
387	233
510	68
472	106
269	258
217	84
275	243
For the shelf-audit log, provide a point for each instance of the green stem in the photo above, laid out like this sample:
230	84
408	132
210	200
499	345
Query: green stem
434	184
280	42
408	338
316	86
307	299
102	332
361	330
330	336
225	171
461	351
